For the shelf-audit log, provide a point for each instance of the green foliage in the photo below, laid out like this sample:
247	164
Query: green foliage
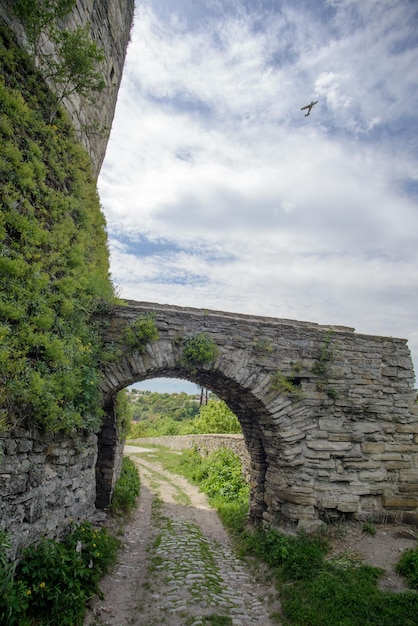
286	385
54	259
332	393
123	413
54	580
38	16
198	350
141	331
13	598
74	66
346	596
126	489
216	417
270	546
160	414
408	567
219	474
321	592
369	528
326	357
262	346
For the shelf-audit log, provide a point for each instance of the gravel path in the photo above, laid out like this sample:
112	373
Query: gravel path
177	566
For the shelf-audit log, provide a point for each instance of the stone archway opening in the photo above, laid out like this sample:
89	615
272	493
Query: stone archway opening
245	406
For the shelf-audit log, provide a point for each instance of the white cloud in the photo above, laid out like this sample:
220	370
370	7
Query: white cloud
270	212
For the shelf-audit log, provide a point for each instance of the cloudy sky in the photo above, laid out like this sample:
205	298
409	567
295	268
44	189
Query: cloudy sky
220	194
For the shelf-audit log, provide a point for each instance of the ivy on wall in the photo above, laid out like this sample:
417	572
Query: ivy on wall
53	259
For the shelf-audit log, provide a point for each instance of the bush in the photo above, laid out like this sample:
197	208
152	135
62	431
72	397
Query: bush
198	349
408	567
126	489
13	598
59	577
141	331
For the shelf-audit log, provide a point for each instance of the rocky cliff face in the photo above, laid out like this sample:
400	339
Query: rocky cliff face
110	22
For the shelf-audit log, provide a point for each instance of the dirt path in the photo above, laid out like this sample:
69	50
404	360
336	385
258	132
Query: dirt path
177	565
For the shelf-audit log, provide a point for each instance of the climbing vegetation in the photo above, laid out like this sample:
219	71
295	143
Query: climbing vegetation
54	259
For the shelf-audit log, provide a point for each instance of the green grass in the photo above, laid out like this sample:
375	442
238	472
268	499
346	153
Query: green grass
314	590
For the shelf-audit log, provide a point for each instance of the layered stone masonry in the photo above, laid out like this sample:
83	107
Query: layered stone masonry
329	416
46	481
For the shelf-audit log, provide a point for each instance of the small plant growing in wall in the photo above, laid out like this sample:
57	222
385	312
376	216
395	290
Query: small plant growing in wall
141	331
332	393
326	357
262	346
198	349
288	385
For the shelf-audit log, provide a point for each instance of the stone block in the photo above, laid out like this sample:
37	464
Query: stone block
372	447
399	502
396	465
371	477
331	446
408	488
348	504
408	475
411	428
294	497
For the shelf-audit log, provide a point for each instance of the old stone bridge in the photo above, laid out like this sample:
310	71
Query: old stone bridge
328	415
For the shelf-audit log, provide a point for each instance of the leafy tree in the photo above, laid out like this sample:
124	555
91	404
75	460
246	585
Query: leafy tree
216	417
74	64
38	18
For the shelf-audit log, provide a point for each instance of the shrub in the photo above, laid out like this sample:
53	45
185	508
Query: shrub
126	489
59	577
141	331
13	597
198	349
408	567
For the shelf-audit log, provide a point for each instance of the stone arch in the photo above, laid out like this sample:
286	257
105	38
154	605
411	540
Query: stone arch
329	417
242	402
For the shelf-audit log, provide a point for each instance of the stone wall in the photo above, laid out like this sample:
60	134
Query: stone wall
204	443
45	482
110	22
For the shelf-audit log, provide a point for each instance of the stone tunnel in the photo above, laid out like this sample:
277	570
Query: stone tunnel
328	415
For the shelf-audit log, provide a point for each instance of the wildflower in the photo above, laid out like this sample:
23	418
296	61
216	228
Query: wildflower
78	546
29	592
42	585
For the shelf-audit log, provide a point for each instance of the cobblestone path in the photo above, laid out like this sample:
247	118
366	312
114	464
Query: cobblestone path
178	567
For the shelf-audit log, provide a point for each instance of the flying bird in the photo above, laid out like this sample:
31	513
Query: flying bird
309	107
